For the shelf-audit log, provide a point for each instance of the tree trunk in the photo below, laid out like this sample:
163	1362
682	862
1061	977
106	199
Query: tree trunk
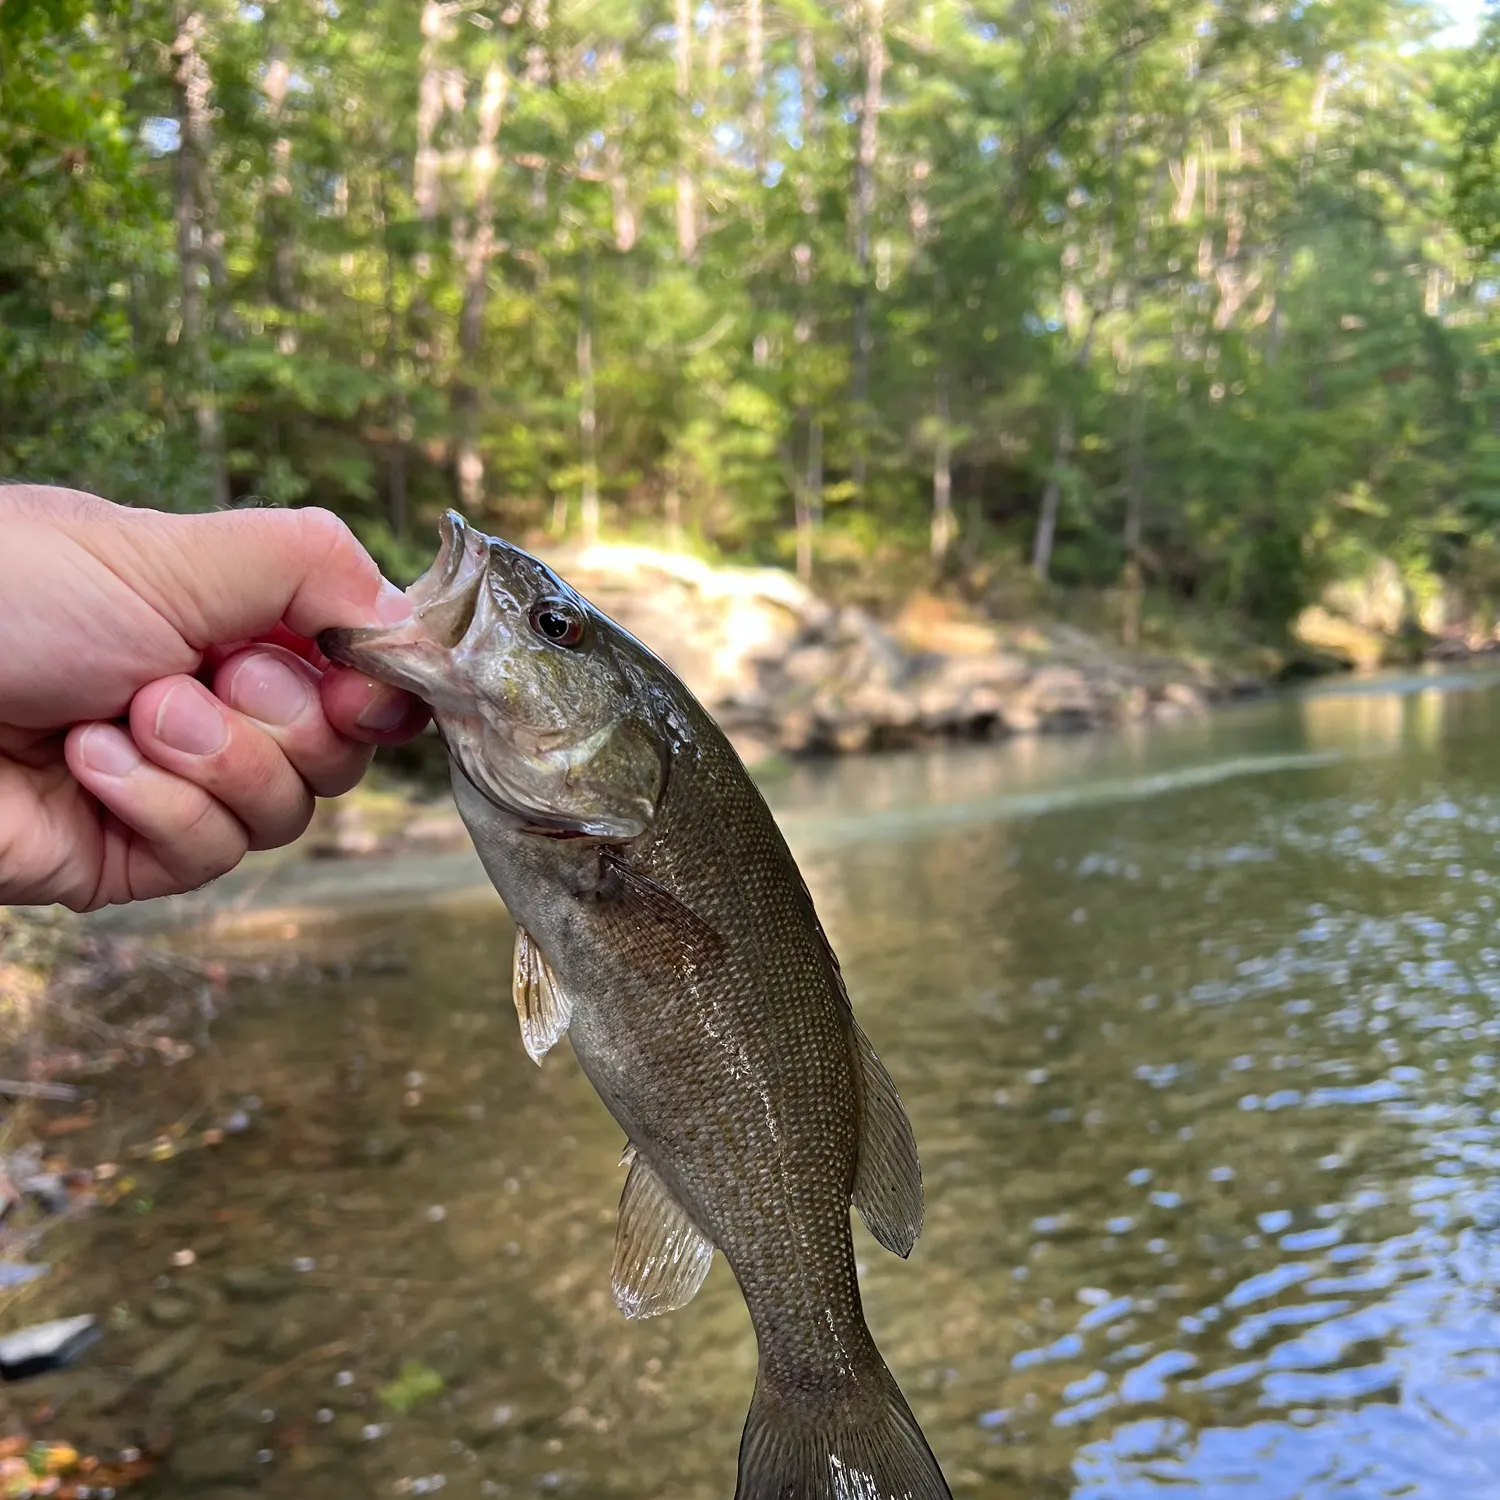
807	97
430	88
540	72
714	69
973	519
872	55
1135	507
194	231
476	249
278	193
755	66
672	503
588	417
942	474
539	68
626	225
814	480
1046	530
802	500
397	412
1062	453
687	198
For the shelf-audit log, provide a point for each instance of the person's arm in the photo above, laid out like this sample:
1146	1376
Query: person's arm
162	708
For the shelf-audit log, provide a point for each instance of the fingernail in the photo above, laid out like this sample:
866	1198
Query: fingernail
392	607
385	712
268	689
108	750
190	721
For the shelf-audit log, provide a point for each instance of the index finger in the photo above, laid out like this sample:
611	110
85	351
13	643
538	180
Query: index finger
237	575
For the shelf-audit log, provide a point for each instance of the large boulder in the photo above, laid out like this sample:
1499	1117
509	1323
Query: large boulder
1331	635
1373	617
1376	600
713	626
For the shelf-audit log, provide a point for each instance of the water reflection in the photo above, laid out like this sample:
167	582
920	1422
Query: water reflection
1206	1084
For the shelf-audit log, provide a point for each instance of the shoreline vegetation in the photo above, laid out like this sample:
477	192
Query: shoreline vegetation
1115	313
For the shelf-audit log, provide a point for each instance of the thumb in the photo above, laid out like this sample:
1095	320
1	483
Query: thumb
234	575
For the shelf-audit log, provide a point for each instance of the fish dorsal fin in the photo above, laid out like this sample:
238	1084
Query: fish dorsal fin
661	1258
888	1180
541	1004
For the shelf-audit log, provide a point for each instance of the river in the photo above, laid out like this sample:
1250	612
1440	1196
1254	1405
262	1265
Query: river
1198	1029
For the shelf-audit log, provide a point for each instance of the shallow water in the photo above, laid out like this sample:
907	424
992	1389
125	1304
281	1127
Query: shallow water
1199	1032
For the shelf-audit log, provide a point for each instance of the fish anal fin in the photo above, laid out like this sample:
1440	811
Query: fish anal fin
661	1257
888	1179
541	1003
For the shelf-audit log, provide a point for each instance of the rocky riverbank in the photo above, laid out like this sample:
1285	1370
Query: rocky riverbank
785	672
789	674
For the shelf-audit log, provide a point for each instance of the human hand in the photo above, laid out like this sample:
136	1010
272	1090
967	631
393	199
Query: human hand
196	632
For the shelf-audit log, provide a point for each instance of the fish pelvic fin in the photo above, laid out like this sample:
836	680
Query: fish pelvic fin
888	1178
661	1256
541	1004
839	1446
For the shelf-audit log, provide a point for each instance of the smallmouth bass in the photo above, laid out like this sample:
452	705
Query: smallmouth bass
664	926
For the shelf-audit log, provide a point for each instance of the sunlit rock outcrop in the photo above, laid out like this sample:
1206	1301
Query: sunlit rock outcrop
785	671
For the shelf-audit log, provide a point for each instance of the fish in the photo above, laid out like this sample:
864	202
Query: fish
663	926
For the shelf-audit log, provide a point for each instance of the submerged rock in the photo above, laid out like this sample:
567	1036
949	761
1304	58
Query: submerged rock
167	1311
46	1346
162	1358
14	1273
212	1460
256	1284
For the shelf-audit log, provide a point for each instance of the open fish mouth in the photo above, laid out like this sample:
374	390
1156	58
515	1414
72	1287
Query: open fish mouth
443	602
443	598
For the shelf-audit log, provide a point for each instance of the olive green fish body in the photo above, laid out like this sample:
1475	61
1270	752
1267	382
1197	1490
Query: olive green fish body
664	925
735	1081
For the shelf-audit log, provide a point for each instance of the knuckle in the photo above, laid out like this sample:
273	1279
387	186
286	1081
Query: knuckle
206	826
324	534
271	798
206	841
340	773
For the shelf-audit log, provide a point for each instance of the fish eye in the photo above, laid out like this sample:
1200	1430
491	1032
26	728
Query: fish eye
557	622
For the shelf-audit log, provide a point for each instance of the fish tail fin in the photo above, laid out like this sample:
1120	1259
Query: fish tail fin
848	1444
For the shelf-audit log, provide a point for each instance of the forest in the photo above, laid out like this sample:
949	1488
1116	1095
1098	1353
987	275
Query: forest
1192	302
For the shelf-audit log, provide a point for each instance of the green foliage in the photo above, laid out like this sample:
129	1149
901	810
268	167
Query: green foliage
1473	98
1251	215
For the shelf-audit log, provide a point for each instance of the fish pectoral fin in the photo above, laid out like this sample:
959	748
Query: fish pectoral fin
659	926
888	1179
661	1257
541	1004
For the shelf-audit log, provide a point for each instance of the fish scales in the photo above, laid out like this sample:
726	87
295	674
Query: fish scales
662	923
